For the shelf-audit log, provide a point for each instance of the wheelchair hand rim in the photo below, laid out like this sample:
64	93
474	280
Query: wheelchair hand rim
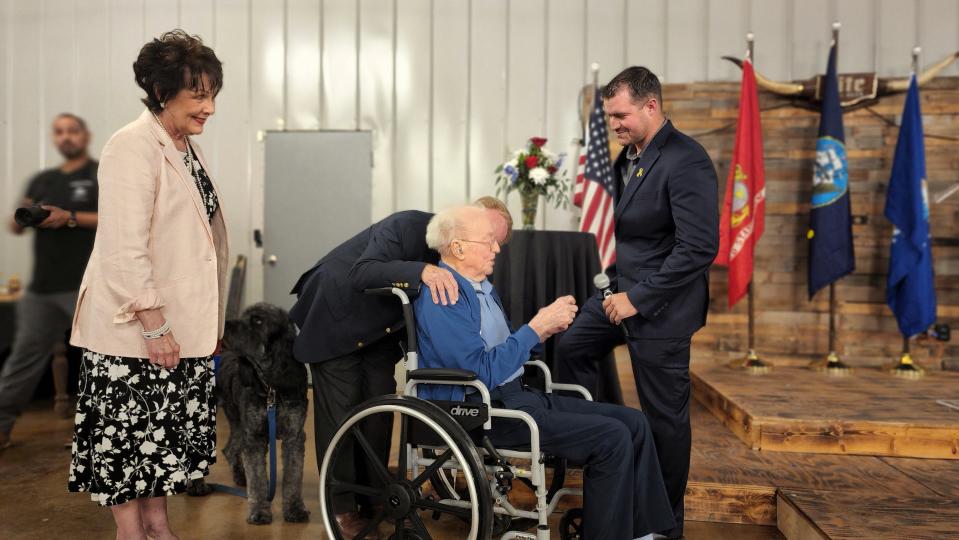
393	408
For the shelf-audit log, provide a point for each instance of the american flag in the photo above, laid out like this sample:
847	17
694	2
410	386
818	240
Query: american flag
594	185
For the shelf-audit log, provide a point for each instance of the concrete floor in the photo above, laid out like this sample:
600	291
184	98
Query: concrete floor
34	502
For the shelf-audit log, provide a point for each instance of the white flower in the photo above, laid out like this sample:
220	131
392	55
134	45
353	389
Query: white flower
148	447
538	175
178	476
141	485
106	444
203	464
127	471
118	372
192	406
170	459
159	434
110	430
79	417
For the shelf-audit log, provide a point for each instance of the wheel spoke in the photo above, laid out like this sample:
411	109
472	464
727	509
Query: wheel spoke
419	527
440	507
371	526
377	464
438	462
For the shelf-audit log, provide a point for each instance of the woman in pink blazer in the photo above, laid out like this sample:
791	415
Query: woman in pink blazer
151	305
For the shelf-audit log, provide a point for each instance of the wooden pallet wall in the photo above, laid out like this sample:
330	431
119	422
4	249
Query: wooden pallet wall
790	327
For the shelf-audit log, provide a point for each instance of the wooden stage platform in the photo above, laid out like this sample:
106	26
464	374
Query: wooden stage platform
793	409
816	488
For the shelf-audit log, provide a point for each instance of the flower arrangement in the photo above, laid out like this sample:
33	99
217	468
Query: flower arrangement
534	171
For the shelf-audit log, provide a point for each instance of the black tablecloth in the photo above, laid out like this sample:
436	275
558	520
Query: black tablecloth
535	268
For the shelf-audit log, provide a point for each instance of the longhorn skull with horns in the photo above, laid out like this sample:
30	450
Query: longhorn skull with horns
855	89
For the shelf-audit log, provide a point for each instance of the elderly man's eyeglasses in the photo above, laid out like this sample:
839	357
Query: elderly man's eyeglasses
488	243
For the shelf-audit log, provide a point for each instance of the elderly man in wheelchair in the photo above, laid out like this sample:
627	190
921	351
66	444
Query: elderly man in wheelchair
472	365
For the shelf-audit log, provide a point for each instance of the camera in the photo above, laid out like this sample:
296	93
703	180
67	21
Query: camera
30	216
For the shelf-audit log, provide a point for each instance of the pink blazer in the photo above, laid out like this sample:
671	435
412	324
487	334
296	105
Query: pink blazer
155	248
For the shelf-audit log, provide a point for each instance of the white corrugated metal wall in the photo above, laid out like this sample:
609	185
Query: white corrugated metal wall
448	87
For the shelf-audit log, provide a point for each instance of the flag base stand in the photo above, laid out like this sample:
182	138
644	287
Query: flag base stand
906	369
752	364
832	365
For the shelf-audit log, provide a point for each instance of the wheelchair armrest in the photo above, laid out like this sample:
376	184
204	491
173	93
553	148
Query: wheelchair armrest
550	385
442	374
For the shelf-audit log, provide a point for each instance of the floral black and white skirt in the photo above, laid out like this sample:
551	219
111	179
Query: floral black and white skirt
142	430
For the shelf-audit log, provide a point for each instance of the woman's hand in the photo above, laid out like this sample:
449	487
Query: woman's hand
163	351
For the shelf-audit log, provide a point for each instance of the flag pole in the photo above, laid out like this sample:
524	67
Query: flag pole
752	364
905	368
833	365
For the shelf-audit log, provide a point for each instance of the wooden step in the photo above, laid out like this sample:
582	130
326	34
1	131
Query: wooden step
831	515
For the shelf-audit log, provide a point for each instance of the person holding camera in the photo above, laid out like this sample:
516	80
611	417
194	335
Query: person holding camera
61	205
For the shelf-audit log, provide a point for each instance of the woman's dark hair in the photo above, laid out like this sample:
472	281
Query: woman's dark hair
172	62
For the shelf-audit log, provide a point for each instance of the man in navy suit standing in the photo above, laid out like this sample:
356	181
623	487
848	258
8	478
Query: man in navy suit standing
667	235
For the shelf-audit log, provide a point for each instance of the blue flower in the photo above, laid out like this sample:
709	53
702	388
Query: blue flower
512	172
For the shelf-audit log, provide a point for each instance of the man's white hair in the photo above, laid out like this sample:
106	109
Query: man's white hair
449	224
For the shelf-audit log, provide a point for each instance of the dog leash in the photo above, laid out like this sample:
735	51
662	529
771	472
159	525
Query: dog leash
271	428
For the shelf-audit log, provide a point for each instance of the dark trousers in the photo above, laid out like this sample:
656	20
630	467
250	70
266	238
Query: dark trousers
623	492
42	322
661	370
339	384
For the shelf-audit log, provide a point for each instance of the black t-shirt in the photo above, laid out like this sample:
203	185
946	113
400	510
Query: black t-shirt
60	255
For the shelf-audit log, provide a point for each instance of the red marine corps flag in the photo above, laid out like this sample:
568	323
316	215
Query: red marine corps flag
741	223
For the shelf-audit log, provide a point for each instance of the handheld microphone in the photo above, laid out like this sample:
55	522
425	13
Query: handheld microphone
601	282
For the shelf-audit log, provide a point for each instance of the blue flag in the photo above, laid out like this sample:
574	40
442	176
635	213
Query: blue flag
910	291
830	230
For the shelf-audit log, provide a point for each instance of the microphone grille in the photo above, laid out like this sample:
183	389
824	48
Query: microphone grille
601	281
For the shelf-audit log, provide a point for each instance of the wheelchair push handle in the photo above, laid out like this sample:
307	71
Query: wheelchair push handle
407	312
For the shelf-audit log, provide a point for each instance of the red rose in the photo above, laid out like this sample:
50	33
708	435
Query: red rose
538	142
531	162
551	169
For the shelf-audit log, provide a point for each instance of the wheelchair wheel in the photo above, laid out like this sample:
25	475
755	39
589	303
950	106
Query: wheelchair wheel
571	524
443	481
396	497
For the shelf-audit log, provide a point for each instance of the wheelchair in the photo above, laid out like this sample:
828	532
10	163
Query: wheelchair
446	444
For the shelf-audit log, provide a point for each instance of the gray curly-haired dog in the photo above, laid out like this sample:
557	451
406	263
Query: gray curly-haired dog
257	355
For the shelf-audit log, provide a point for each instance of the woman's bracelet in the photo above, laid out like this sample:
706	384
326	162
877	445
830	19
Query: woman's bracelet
158	333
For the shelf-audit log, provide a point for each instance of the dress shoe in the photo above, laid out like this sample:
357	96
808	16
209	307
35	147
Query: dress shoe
351	524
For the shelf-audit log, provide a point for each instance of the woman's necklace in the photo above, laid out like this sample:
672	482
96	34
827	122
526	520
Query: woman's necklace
194	172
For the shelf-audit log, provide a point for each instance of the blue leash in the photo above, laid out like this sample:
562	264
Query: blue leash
271	427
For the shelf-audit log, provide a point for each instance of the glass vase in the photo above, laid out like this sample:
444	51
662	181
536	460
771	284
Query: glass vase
530	201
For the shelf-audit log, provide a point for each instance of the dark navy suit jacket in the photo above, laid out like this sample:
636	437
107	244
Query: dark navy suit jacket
667	235
335	318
